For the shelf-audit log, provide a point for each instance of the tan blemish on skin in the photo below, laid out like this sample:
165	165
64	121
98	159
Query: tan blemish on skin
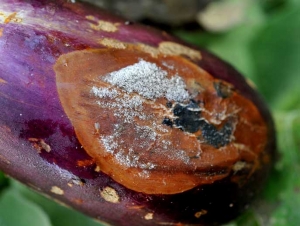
1	33
97	169
70	185
239	166
40	144
110	195
154	52
76	181
92	18
149	216
113	43
97	127
164	48
57	190
171	48
200	213
3	159
102	25
10	18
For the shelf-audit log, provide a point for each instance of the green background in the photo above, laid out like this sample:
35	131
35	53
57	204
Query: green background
265	47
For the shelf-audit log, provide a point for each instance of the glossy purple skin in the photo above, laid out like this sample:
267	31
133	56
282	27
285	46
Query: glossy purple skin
30	108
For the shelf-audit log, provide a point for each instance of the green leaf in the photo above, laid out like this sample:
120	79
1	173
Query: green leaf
17	211
276	54
58	214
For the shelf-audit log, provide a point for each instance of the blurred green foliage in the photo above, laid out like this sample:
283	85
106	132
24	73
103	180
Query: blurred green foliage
265	47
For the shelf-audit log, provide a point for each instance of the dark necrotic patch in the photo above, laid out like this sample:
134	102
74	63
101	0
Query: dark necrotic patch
215	137
188	119
167	122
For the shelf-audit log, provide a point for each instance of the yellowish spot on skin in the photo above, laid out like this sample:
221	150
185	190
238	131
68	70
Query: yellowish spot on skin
200	213
57	190
97	127
171	48
149	216
97	169
1	33
3	159
40	144
110	195
164	48
154	52
12	17
75	181
90	17
109	42
239	166
102	25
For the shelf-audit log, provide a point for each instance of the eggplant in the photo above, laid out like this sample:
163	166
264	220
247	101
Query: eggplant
124	122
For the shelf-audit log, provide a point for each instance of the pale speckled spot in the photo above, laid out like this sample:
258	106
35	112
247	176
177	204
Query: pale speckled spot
10	17
102	25
3	159
110	195
97	169
57	190
239	166
113	43
172	48
164	48
149	216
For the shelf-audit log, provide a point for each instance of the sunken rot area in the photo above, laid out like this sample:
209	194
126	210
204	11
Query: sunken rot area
126	123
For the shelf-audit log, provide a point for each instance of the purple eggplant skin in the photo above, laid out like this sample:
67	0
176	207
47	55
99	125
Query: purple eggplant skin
39	146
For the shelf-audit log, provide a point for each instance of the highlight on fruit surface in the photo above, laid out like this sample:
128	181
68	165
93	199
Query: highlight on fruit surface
126	123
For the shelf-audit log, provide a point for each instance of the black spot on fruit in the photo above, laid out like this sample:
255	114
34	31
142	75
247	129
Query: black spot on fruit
188	119
215	137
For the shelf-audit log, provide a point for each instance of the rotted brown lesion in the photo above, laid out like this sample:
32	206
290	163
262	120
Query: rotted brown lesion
217	128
